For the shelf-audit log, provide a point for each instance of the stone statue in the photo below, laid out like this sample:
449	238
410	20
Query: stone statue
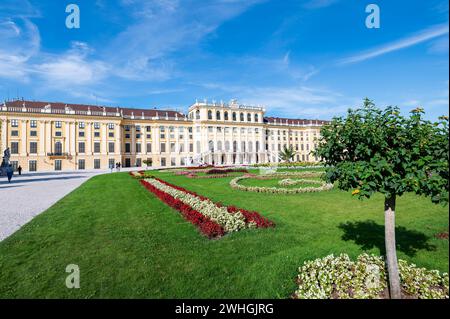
5	162
7	154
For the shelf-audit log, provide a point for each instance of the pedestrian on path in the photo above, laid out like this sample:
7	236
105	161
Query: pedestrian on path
9	172
19	169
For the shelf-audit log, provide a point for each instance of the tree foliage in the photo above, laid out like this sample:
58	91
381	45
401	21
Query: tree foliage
287	154
374	150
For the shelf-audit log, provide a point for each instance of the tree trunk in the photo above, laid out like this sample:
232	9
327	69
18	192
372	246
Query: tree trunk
391	253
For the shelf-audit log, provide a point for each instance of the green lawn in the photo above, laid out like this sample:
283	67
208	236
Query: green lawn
129	244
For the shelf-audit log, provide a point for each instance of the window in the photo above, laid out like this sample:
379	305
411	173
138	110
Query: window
58	124
138	128
81	147
163	161
148	128
14	165
58	165
14	123
96	147
111	126
182	162
234	116
33	123
81	134
249	117
111	163
225	116
173	162
209	115
163	147
241	118
33	147
111	147
96	163
149	136
96	125
172	147
218	115
81	125
32	166
111	134
33	133
96	134
58	133
138	162
138	136
197	115
127	147
149	147
15	133
191	147
256	118
138	148
14	147
127	128
81	164
58	148
127	135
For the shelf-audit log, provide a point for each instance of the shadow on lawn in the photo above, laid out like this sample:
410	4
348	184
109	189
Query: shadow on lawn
369	234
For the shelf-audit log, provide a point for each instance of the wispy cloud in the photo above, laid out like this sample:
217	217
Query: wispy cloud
424	35
316	4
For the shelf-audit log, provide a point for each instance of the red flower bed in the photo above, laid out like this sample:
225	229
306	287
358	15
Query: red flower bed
208	227
226	171
250	216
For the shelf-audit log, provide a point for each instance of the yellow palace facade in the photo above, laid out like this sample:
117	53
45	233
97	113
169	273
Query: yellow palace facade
47	136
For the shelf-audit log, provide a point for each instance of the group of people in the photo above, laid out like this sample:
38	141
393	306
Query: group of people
10	172
118	166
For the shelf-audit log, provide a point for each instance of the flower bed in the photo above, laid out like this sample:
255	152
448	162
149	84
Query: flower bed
226	171
234	183
213	220
341	278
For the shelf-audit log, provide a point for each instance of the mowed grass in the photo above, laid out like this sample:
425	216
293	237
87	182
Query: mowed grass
128	244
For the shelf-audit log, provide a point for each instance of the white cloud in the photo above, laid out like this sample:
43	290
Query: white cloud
424	35
316	4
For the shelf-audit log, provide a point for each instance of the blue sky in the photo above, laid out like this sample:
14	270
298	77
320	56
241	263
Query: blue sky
301	59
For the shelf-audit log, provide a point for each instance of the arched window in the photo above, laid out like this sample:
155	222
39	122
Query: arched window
243	147
209	115
256	118
234	116
58	148
242	117
219	145
235	146
197	115
257	146
211	146
227	145
249	117
250	146
218	115
225	116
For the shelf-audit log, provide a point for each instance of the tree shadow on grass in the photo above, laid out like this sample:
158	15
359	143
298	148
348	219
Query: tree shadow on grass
369	234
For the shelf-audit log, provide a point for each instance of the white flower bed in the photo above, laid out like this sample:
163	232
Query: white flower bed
341	278
229	222
292	182
234	183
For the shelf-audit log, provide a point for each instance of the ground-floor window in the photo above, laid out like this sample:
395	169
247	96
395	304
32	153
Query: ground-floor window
81	164
127	162
163	161
14	165
183	162
111	163
32	166
58	165
96	163
138	162
173	162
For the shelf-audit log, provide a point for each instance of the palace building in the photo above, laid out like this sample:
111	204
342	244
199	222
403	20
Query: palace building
46	136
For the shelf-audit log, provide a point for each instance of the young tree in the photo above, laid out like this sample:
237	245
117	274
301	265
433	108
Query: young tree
287	154
373	150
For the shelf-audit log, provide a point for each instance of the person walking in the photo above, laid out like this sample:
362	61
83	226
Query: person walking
19	169
9	172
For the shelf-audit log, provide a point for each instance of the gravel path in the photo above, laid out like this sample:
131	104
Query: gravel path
30	194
